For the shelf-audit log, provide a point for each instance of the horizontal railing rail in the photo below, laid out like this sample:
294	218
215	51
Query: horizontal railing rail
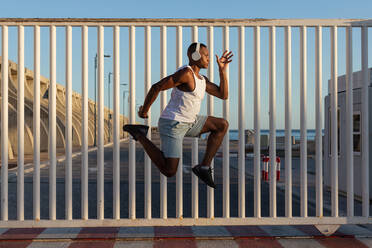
183	22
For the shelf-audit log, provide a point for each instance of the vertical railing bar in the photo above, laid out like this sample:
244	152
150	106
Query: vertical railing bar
272	107
132	119
36	125
334	140
257	121
100	134
241	153
68	130
4	124
319	111
52	125
288	122
195	155
20	124
148	122
179	181
116	159
303	124
226	140
349	123
163	103
84	147
210	110
365	122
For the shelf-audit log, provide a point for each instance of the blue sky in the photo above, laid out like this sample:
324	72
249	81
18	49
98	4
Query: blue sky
189	9
194	9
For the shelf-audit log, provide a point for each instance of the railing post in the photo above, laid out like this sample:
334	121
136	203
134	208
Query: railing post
20	124
195	156
100	135
272	148
257	121
4	124
288	121
132	119
163	103
85	122
334	127
36	125
241	159
52	125
226	140
319	111
365	122
179	181
148	122
210	110
68	130
349	123
303	113
116	159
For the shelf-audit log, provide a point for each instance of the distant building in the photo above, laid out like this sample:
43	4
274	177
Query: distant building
357	132
44	114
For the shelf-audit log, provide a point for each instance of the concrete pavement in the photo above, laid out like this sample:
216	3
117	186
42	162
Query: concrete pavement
186	236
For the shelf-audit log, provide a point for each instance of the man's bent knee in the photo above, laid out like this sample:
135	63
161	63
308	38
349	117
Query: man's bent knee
224	125
171	167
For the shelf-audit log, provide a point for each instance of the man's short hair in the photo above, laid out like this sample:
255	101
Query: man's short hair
192	48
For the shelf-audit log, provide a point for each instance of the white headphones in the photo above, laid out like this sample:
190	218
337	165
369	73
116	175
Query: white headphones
196	55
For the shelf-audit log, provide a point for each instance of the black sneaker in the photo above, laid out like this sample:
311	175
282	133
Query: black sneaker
136	130
205	174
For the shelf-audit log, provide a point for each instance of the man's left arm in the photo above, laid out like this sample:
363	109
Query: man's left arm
221	91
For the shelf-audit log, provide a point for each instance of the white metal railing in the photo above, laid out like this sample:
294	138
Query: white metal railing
210	219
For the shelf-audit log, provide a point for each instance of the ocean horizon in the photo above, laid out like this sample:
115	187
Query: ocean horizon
234	133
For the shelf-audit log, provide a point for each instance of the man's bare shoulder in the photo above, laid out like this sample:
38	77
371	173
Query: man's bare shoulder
183	75
184	71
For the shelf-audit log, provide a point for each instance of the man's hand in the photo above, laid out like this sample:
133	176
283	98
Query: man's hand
224	60
141	113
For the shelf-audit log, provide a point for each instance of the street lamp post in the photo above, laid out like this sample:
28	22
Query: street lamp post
109	103
124	91
95	95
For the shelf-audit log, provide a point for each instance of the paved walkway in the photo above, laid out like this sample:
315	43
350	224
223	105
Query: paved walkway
186	236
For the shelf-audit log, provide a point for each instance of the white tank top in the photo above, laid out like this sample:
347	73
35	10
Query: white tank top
184	106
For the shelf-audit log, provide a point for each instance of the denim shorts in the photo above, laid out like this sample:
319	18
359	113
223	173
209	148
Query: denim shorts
172	133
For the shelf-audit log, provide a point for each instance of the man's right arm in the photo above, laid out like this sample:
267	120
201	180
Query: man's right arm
166	83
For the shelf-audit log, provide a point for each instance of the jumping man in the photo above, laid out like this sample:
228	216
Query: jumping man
180	117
